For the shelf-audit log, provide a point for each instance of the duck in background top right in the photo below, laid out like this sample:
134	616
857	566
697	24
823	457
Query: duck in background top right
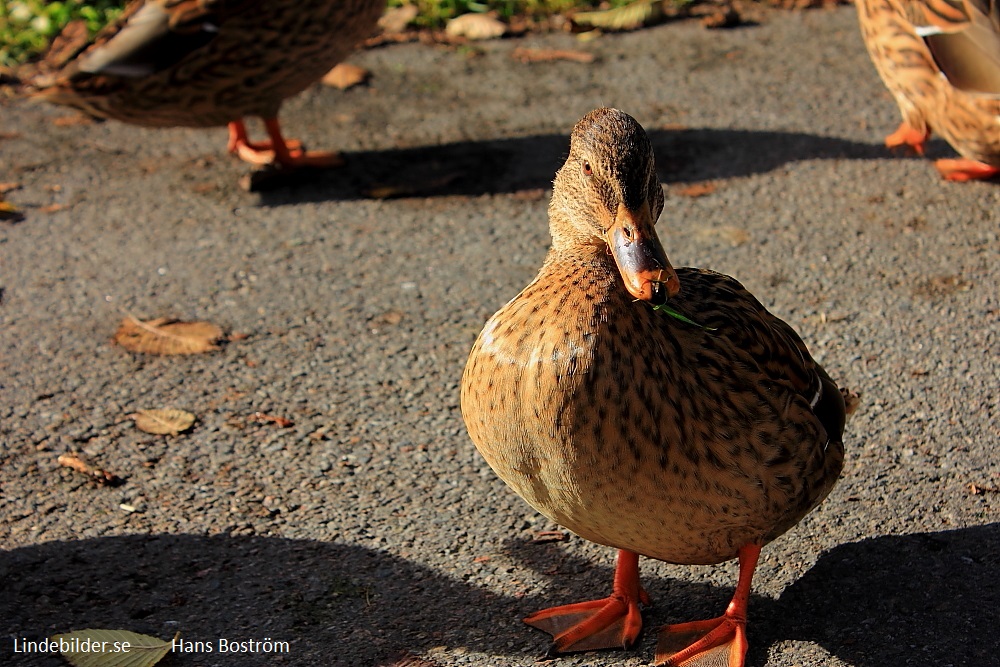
941	61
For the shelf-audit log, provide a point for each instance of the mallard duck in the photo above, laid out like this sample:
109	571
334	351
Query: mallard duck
203	63
692	439
941	61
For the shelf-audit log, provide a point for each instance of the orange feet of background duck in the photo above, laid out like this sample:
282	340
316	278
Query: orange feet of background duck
717	642
611	622
905	135
964	169
277	150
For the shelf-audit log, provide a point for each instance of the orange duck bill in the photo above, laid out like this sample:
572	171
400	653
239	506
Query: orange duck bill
645	269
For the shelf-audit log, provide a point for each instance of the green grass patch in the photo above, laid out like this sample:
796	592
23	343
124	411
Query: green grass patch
27	26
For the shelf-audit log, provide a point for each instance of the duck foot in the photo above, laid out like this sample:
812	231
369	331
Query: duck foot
611	622
905	135
717	642
277	150
963	169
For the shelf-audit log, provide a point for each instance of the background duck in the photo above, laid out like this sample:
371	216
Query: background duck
202	63
691	443
941	61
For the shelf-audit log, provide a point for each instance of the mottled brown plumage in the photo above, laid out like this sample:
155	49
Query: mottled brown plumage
202	63
688	443
941	61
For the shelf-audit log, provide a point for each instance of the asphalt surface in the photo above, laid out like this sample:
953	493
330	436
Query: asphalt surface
370	527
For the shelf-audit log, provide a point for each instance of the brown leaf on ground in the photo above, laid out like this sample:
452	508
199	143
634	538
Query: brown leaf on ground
697	189
9	212
476	26
163	421
52	208
280	422
978	490
395	19
526	55
102	477
346	75
852	400
734	235
723	18
73	120
166	336
939	286
7	187
630	17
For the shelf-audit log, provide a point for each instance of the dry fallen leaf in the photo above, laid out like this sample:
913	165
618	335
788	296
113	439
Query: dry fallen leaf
163	421
938	286
631	16
852	400
166	336
100	476
9	212
395	19
697	189
70	121
346	75
476	26
281	422
977	490
7	187
526	55
104	648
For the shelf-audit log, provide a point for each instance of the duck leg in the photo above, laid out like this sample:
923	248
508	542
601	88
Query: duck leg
906	135
964	169
288	153
611	622
716	642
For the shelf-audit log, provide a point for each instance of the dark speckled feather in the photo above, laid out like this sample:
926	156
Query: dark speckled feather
204	63
965	110
634	429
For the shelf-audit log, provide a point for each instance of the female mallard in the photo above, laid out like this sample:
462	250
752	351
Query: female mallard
691	441
202	63
941	61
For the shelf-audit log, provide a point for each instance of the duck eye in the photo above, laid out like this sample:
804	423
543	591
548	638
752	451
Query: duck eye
587	169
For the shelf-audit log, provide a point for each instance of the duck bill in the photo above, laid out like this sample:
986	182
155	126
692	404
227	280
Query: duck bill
645	269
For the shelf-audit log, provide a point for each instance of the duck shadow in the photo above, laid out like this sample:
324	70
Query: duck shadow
335	604
929	597
529	163
925	598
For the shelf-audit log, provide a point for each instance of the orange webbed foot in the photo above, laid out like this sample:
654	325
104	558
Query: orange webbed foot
963	169
611	622
288	153
905	135
717	642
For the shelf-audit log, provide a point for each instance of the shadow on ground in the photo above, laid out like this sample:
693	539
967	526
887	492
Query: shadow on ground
926	598
876	602
527	163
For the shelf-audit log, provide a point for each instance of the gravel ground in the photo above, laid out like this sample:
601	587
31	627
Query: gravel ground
370	527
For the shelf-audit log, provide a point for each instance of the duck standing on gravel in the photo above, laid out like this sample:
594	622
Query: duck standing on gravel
204	63
940	59
692	436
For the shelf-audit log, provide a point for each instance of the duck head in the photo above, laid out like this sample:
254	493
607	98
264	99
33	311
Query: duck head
607	195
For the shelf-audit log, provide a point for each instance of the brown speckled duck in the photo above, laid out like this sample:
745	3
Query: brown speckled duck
941	61
691	442
203	63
